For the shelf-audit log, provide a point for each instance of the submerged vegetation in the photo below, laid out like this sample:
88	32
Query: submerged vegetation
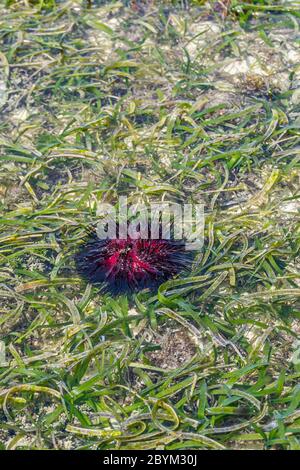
186	101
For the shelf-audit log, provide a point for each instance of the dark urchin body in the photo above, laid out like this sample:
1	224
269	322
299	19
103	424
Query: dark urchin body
131	265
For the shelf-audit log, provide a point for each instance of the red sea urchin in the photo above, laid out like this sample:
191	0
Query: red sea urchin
131	265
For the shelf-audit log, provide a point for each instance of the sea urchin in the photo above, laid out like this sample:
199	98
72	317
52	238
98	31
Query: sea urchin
131	265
